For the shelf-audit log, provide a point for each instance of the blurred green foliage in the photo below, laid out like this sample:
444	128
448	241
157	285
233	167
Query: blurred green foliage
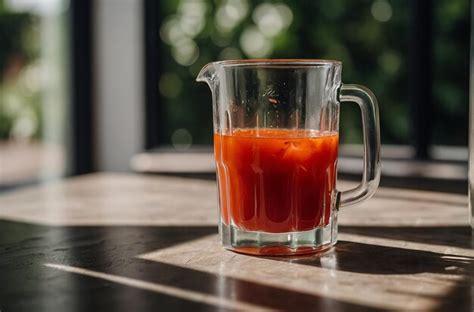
20	108
15	37
371	38
451	72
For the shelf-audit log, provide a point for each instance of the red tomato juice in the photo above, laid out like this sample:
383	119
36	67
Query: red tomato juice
276	180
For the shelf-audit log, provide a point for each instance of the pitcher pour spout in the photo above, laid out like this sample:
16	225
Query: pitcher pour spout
207	74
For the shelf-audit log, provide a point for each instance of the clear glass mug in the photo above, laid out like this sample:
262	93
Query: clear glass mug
276	125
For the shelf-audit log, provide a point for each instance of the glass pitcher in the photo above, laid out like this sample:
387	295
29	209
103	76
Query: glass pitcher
276	134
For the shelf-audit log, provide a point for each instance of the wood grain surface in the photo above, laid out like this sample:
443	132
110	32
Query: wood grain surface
141	242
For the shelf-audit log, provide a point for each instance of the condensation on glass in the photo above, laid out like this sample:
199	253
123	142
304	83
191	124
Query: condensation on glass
276	126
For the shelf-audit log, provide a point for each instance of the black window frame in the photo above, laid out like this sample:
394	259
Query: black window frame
81	75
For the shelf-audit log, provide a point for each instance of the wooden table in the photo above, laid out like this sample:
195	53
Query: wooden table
130	242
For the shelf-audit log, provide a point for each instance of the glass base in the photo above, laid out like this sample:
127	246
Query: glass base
279	244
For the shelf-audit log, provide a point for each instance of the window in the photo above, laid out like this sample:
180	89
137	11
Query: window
33	90
451	72
380	43
42	46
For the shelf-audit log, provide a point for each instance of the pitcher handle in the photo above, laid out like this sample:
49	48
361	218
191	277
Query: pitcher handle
371	133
